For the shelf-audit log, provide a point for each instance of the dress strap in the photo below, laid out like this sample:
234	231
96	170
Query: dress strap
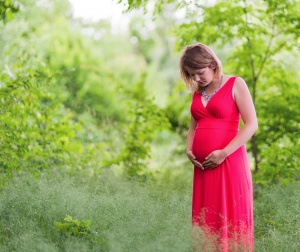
232	79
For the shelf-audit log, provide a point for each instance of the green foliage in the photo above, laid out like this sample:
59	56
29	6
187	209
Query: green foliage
136	4
77	228
177	109
73	227
87	76
243	25
35	126
37	131
145	120
278	107
280	164
7	10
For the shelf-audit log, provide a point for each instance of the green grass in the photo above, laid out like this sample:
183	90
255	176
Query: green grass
127	215
277	219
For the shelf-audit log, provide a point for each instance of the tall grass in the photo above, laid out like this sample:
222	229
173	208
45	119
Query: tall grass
127	215
277	219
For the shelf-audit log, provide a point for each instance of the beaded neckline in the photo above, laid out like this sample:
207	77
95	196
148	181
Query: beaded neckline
208	97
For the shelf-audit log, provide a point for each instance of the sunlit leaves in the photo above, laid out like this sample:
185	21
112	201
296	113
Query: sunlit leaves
37	131
156	5
279	164
7	10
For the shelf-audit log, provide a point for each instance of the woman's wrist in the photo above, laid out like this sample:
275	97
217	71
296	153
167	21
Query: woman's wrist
225	153
188	151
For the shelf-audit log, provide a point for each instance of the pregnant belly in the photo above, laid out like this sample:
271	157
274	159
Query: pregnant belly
207	140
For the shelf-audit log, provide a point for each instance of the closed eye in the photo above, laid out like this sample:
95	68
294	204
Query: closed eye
193	75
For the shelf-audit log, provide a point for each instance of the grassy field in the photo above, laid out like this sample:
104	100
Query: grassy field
127	215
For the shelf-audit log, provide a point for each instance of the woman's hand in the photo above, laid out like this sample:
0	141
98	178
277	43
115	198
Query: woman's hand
192	158
214	159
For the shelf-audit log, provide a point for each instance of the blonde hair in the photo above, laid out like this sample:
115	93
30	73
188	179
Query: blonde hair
195	57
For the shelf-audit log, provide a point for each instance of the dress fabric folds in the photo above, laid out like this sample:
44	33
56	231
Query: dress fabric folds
222	201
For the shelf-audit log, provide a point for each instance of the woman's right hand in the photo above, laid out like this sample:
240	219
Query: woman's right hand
192	158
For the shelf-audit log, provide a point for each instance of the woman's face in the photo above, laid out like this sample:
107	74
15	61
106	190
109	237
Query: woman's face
202	76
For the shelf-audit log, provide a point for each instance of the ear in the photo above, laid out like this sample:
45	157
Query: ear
213	65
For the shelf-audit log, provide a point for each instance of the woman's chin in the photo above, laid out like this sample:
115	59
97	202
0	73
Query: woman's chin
203	85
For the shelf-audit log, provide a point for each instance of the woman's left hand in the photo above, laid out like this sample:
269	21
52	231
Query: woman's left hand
214	159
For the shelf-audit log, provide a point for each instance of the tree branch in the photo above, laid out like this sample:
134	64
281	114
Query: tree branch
254	82
267	53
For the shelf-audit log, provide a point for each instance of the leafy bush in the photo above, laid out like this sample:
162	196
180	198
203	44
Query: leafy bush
145	120
7	10
280	165
77	228
37	131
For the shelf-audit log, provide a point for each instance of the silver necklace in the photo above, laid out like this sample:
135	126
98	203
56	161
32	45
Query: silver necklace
208	97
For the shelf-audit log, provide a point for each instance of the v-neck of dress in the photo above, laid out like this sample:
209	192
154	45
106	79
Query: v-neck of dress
214	95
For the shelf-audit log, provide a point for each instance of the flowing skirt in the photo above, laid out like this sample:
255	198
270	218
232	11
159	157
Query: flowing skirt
222	203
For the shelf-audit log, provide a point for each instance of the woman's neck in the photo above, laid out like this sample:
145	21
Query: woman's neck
215	83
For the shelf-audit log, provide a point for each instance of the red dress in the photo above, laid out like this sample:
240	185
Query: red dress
222	203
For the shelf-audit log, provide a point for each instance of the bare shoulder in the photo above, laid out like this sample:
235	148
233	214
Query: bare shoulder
240	89
239	81
240	86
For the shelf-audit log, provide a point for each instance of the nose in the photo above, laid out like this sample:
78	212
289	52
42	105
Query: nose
197	77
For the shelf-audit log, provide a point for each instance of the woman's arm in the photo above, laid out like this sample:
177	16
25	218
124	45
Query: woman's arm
190	134
189	143
246	108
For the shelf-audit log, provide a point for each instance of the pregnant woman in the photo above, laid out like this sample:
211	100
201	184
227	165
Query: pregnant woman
222	202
